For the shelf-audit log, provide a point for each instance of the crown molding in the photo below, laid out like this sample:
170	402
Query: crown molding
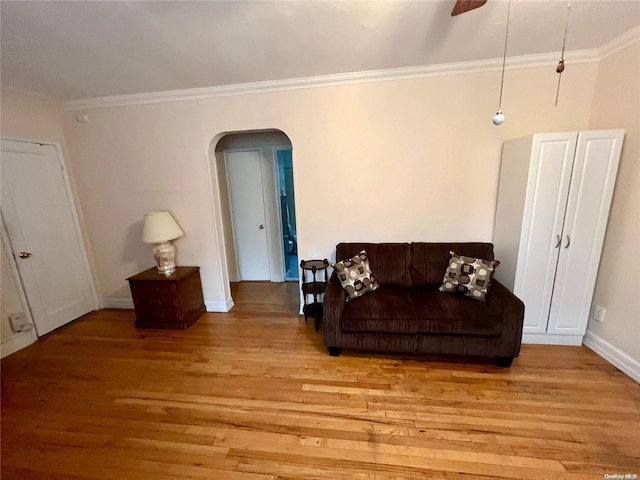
524	61
618	43
32	94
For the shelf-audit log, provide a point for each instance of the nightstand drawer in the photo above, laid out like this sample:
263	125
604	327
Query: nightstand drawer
153	288
165	301
163	314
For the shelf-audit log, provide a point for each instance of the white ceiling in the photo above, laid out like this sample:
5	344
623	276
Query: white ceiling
71	50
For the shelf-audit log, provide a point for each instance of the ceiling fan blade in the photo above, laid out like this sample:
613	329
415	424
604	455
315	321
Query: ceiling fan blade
463	6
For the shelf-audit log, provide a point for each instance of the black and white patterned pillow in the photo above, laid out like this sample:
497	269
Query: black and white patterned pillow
355	276
469	276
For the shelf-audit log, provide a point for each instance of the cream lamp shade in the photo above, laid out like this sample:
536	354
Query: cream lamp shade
160	228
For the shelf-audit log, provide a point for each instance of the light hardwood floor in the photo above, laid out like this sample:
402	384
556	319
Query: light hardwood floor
253	394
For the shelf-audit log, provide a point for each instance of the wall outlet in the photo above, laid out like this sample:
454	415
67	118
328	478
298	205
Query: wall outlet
598	313
18	322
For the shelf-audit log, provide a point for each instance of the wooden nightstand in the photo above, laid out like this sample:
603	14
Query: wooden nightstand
173	302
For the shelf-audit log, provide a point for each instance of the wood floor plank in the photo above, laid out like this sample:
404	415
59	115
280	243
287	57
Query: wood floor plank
253	395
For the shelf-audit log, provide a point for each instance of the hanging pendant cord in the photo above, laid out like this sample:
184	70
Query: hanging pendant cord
504	55
564	43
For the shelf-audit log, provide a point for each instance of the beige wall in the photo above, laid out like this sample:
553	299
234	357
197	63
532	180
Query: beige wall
31	117
616	104
396	160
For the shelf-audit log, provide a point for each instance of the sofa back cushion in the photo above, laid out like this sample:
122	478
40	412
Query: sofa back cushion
390	262
429	261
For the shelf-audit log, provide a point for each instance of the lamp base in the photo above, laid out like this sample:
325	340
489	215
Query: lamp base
165	255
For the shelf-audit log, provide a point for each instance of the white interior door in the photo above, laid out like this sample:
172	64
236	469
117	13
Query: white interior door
592	183
246	192
545	203
37	210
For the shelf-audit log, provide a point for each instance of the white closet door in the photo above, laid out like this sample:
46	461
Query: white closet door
545	203
244	174
36	207
592	183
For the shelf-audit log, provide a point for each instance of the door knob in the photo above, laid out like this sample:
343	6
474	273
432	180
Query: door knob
559	241
24	254
568	242
261	227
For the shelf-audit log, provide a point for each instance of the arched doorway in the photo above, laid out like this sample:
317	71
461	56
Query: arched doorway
261	171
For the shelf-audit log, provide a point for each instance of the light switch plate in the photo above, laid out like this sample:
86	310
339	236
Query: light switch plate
598	313
18	322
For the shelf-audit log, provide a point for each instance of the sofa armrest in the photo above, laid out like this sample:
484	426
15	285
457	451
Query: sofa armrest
511	309
333	304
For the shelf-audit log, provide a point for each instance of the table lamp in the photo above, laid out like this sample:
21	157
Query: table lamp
160	228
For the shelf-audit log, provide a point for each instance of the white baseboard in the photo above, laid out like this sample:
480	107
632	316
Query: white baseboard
234	277
16	342
111	302
219	306
548	339
613	355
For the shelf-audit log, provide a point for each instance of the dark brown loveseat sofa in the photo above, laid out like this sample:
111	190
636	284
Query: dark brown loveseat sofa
408	314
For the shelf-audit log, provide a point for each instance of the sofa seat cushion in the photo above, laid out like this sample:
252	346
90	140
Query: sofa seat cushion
446	314
386	310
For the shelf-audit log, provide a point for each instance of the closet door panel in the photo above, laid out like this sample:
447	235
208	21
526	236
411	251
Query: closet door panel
592	183
547	191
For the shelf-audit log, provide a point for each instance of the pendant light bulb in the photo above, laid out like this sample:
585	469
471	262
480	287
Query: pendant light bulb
498	118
